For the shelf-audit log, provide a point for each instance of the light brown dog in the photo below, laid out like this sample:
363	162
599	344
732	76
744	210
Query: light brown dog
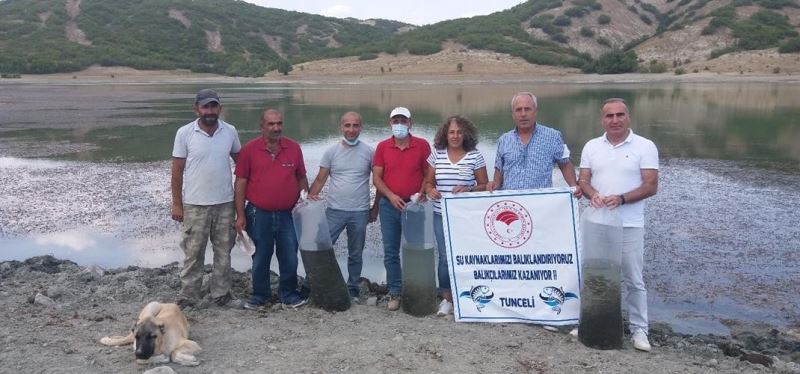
160	335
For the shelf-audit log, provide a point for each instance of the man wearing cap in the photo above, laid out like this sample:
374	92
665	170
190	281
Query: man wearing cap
398	171
202	199
348	163
526	154
270	173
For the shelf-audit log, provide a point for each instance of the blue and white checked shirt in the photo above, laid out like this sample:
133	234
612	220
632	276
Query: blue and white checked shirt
528	166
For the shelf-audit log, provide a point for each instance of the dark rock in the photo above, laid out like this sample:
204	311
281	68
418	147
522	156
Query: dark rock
757	358
46	264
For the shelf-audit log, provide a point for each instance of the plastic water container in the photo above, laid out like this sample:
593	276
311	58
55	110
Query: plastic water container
601	308
328	289
417	243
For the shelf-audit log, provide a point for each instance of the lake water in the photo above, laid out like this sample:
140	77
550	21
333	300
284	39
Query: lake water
85	173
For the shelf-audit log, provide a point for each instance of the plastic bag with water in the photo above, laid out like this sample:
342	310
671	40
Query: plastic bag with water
601	313
328	288
419	275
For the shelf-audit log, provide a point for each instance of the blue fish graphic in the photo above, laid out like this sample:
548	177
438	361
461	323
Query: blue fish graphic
554	297
480	295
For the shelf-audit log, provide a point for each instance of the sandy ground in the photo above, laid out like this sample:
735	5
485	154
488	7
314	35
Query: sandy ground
443	67
55	312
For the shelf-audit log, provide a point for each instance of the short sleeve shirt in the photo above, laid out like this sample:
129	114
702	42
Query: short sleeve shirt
403	169
528	166
207	175
350	167
271	178
617	170
450	175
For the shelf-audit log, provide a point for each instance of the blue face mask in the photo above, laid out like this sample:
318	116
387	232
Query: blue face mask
350	142
400	130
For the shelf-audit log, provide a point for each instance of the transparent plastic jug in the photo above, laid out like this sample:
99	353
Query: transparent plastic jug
328	289
601	313
417	243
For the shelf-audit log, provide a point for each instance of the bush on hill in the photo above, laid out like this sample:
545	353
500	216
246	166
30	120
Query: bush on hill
790	46
764	29
613	62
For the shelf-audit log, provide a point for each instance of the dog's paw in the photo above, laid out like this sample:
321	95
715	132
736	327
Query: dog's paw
106	340
186	359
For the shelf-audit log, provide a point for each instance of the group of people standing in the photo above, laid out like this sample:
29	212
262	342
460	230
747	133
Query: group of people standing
618	170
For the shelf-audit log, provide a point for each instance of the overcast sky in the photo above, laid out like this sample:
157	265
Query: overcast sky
417	12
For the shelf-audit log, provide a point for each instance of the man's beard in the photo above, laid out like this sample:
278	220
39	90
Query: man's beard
209	119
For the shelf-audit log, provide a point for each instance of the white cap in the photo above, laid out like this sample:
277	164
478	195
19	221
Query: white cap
400	111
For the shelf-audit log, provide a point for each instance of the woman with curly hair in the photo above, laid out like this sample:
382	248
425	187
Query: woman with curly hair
458	167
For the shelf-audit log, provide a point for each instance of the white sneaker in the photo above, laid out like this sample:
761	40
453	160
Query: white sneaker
550	328
640	341
445	308
573	333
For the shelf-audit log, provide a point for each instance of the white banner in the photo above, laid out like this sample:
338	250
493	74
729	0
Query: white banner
513	256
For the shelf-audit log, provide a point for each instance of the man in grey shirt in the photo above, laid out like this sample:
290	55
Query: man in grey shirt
348	164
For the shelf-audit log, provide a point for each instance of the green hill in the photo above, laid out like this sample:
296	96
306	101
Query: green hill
233	37
222	36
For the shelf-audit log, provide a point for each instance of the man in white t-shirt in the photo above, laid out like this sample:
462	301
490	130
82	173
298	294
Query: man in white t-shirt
202	199
348	163
619	170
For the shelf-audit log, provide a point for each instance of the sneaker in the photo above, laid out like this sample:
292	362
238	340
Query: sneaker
640	341
573	333
252	305
298	303
229	301
550	328
394	303
445	308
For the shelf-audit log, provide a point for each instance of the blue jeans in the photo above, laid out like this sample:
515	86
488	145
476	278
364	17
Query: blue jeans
273	230
442	272
356	224
391	229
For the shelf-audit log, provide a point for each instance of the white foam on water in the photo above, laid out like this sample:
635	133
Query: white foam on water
12	163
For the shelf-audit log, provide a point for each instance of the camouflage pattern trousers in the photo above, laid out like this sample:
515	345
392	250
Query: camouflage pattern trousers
201	223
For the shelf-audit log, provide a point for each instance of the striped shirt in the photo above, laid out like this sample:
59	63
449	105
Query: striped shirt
450	175
529	166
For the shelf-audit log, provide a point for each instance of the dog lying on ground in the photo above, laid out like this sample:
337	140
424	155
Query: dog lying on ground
160	335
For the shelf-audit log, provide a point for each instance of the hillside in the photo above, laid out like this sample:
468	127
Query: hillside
223	36
236	38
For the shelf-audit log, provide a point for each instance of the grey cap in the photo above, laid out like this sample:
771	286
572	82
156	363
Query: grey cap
206	96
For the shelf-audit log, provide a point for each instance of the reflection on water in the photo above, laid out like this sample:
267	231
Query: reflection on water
733	121
87	247
720	239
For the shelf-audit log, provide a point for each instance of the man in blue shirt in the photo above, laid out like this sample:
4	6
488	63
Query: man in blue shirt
526	154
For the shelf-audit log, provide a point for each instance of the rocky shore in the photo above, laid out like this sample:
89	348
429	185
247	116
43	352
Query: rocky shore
55	311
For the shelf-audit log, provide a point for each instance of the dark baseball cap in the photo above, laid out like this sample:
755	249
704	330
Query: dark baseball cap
206	96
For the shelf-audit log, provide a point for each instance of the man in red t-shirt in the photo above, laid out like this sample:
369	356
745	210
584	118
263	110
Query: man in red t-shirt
270	174
398	170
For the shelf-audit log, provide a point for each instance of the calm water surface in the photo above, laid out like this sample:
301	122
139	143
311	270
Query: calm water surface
85	174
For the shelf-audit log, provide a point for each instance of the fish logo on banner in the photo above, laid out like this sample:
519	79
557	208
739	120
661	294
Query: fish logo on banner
508	224
554	297
480	295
